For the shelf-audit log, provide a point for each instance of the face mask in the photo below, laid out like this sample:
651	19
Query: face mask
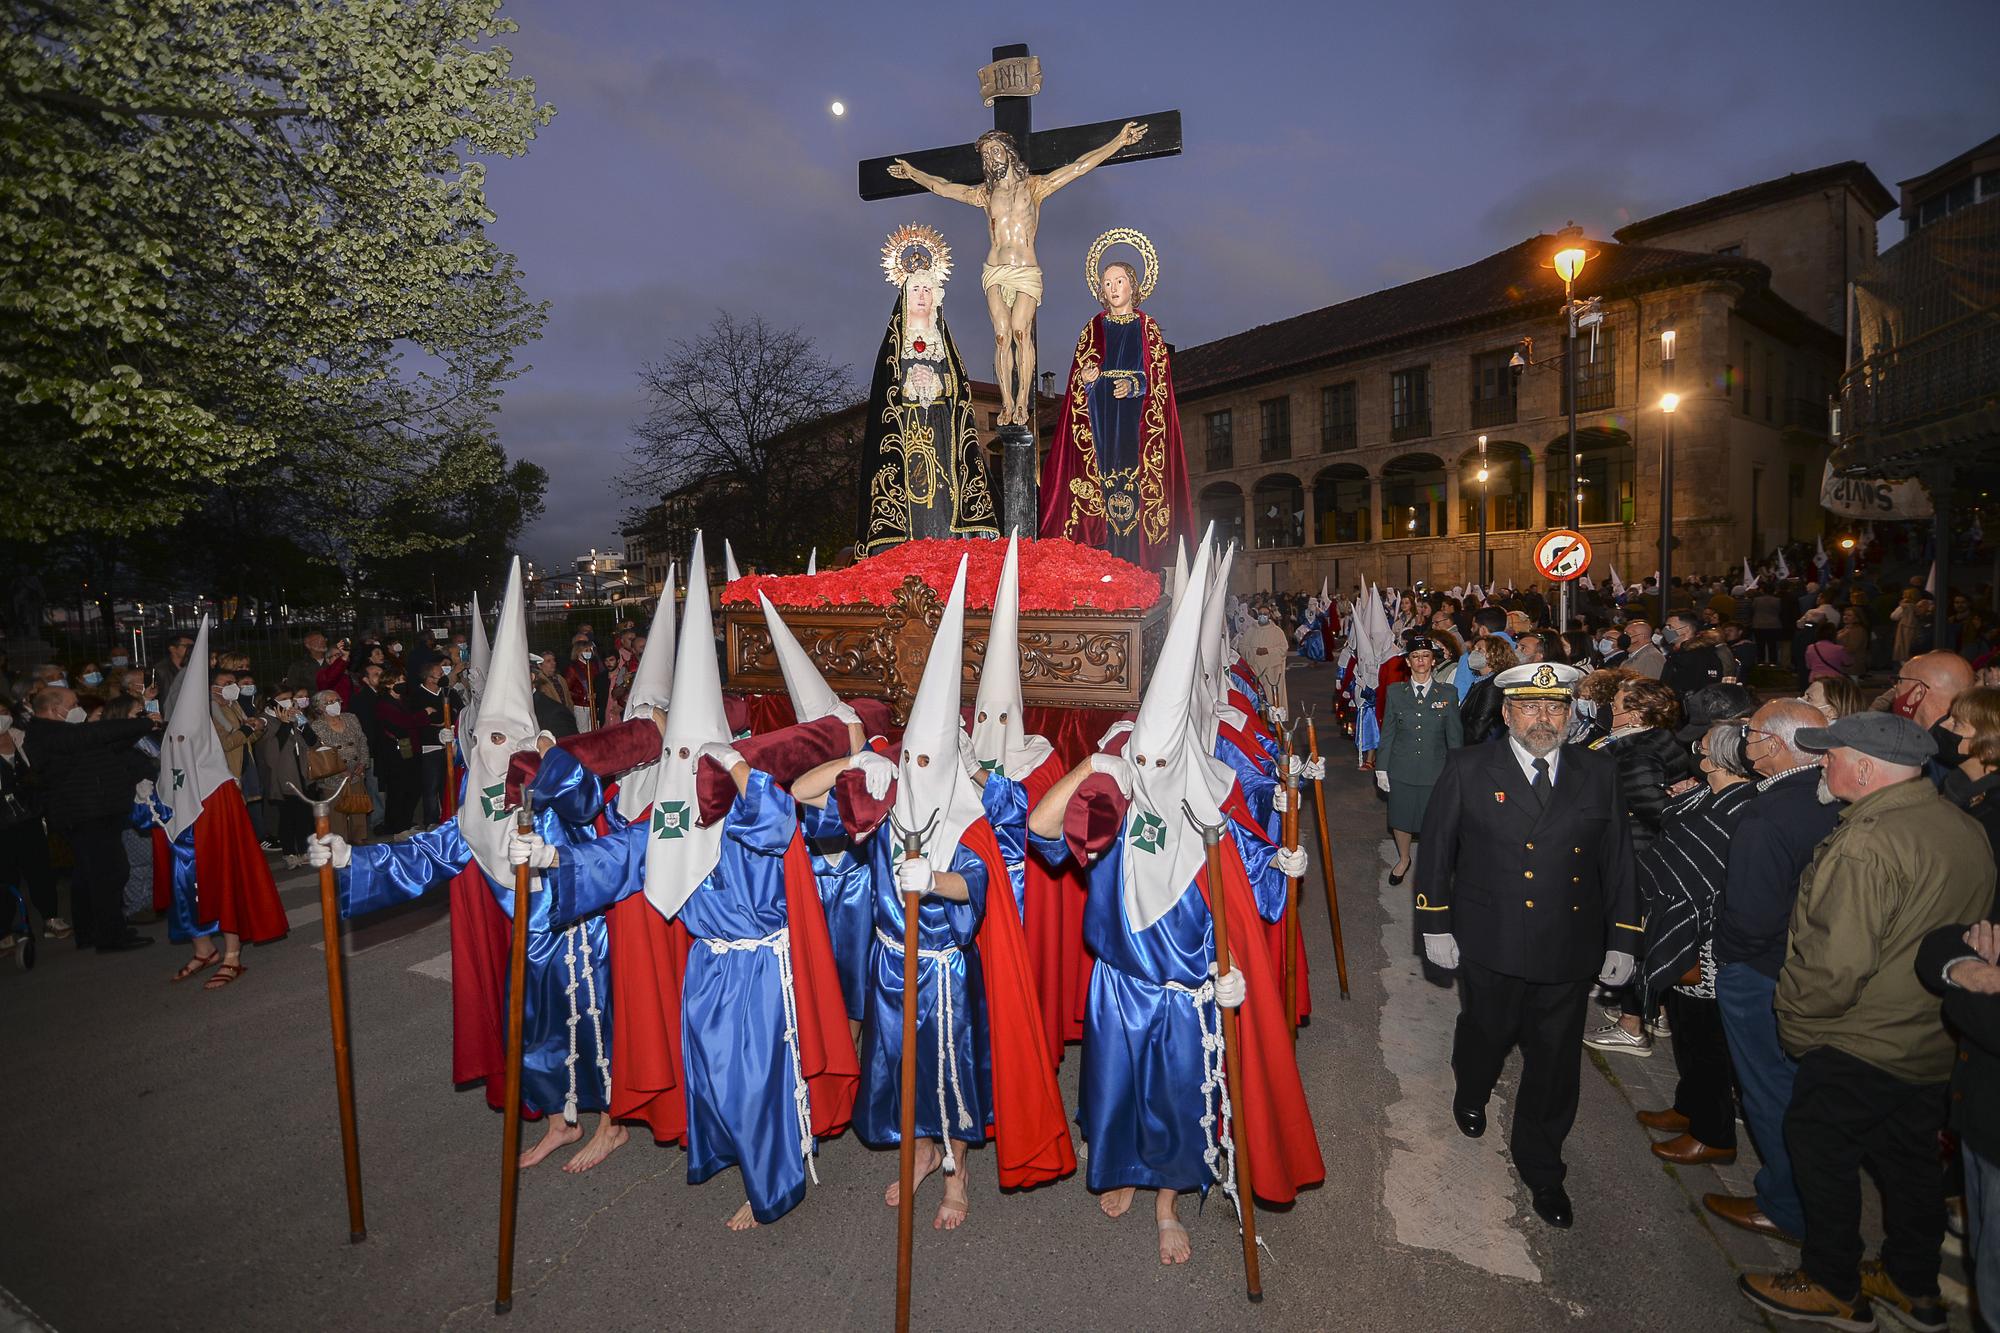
75	715
586	654
1607	646
249	689
121	661
93	678
230	694
1670	636
1476	661
1950	745
60	682
396	648
1263	619
6	724
153	707
333	709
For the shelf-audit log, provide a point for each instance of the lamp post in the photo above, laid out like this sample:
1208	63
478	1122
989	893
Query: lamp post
1570	257
1668	402
1481	580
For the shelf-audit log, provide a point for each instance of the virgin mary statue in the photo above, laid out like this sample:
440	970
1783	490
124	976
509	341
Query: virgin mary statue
923	472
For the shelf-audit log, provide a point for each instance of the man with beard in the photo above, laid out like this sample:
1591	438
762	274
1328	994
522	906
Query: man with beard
1528	893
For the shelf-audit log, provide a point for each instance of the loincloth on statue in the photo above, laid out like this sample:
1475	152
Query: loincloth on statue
1013	280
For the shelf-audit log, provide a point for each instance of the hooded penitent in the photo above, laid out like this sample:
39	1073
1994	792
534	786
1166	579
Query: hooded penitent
1208	704
1180	567
729	571
504	723
679	850
812	697
479	656
652	687
191	762
1000	736
1173	774
934	797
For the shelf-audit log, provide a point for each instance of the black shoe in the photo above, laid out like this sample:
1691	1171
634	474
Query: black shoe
125	943
1471	1120
1552	1206
1396	879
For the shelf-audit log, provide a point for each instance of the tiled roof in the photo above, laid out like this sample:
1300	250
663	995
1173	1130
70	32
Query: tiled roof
1516	281
1855	175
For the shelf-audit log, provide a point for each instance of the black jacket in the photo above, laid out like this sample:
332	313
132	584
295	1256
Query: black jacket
1691	669
1979	799
1479	715
1773	845
1975	1079
87	768
1531	892
1649	762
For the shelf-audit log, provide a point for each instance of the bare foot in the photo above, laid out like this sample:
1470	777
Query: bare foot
610	1137
929	1158
1174	1245
1113	1203
559	1133
952	1209
741	1219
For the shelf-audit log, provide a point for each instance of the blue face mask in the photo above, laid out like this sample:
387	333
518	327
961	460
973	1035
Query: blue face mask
93	677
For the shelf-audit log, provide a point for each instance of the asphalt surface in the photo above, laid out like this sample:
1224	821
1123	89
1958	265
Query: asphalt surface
173	1162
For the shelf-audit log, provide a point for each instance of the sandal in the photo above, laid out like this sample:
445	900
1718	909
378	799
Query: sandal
196	964
225	974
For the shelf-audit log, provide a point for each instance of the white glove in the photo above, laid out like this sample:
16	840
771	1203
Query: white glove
1290	768
914	875
876	772
1278	714
528	849
1291	862
1313	770
544	735
144	791
968	758
1117	729
846	713
447	737
721	753
1618	968
1442	950
1230	989
328	849
1116	767
1381	780
1281	800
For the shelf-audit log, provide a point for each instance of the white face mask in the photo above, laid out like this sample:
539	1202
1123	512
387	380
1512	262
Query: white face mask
6	723
396	648
75	715
229	693
333	709
248	690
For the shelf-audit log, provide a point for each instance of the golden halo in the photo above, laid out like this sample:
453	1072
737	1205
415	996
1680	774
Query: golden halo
912	248
1150	260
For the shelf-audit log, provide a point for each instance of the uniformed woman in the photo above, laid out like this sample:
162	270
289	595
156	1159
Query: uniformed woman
1419	726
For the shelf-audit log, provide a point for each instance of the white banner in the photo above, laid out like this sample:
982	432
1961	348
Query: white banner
1869	497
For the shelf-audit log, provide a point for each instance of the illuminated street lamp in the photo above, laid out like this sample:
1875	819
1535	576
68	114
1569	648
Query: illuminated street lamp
1482	511
1568	262
1668	402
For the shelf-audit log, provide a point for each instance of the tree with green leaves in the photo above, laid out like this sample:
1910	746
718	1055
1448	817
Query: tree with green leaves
244	243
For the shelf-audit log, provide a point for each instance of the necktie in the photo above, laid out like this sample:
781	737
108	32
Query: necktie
1542	787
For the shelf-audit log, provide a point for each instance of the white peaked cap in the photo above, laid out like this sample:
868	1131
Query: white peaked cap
812	561
506	710
652	687
479	656
679	851
1211	687
192	765
1162	849
1180	569
999	730
729	571
937	788
812	697
1324	596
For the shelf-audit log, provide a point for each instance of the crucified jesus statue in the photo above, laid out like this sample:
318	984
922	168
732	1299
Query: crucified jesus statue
1011	276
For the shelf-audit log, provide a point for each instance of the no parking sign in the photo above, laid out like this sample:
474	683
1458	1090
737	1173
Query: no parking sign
1562	555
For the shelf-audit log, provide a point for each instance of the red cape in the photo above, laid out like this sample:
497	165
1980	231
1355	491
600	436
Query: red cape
233	885
826	1047
1237	807
1054	930
1072	490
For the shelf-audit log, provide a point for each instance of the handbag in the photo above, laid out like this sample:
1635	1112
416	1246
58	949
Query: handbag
353	800
323	762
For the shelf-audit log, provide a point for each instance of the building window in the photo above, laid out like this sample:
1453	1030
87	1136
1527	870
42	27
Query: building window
1274	428
1493	401
1795	480
1336	417
1279	503
1596	375
1410	403
1413	489
1221	441
1222	505
1340	504
1606	465
1508	488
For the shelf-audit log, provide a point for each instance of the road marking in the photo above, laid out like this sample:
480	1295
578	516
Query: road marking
1444	1191
438	967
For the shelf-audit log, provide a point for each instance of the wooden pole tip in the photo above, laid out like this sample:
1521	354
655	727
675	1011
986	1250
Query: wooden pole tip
356	1237
502	1307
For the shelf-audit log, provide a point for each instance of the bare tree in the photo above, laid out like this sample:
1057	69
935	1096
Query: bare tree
749	419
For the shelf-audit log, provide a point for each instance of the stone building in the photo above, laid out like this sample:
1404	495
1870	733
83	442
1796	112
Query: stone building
1345	441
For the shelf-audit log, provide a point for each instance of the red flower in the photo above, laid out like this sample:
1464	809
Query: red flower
1055	576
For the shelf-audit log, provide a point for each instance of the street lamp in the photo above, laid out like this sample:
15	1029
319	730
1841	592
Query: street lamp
1568	262
1483	474
1668	402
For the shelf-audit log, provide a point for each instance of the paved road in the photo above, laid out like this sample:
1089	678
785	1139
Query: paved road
174	1162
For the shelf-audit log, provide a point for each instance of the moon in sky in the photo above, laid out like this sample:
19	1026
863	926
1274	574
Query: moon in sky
839	108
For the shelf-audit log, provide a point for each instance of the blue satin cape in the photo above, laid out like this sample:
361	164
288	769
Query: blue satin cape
1006	804
847	895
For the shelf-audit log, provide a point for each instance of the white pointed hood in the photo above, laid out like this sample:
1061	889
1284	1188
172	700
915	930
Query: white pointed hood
729	571
812	561
932	791
999	727
652	687
1171	769
679	851
504	723
1209	703
812	697
191	761
1180	569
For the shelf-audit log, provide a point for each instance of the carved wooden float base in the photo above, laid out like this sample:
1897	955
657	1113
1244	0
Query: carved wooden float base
1078	659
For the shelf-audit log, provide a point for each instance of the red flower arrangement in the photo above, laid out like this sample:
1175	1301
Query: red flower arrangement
1055	576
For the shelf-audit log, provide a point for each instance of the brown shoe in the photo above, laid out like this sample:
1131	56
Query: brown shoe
1793	1295
1667	1121
1742	1212
1687	1150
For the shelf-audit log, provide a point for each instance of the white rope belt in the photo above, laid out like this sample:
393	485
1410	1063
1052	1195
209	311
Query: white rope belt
596	1024
947	1043
1219	1148
779	942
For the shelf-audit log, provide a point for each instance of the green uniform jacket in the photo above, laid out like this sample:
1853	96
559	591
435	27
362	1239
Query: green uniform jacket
1416	737
1902	862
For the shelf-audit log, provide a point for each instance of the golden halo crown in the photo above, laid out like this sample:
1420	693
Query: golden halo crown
913	248
1149	261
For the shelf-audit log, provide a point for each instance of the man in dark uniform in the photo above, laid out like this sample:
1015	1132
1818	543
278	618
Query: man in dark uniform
1527	890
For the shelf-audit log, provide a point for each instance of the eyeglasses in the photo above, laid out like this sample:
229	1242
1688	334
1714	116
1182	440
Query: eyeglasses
1912	681
1545	707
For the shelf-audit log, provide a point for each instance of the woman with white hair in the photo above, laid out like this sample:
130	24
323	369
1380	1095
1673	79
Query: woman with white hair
335	728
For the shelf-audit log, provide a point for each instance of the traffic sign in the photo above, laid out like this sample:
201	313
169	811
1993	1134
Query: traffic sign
1563	555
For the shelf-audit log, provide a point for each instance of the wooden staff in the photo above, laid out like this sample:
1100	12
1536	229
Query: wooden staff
906	1156
448	798
510	1146
1289	826
1232	1061
336	1004
1326	863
